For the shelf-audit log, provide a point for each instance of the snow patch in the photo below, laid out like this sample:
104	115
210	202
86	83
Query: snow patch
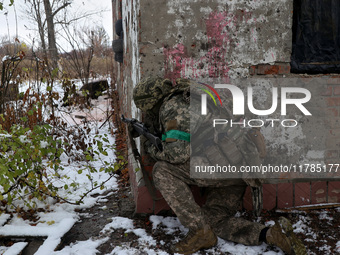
88	247
15	249
127	224
171	224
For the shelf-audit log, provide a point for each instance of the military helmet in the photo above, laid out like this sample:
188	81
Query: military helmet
148	92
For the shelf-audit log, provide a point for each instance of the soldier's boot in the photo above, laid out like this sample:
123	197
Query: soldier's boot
282	236
195	240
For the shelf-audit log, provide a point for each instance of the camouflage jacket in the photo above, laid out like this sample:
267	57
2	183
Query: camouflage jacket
173	115
234	144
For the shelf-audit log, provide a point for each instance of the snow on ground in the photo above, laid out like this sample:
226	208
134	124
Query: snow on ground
60	217
14	249
338	247
88	247
147	244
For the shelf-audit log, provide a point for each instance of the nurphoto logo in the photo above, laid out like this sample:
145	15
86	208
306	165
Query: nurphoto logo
239	105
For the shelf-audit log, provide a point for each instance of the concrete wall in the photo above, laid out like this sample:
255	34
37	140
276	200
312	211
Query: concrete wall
213	40
217	41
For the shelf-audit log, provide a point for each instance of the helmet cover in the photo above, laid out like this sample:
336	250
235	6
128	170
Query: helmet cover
149	91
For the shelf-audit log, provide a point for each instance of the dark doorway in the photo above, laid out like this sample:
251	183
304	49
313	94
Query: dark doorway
316	40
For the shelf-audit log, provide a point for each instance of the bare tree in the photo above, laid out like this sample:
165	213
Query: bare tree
82	44
85	43
35	12
44	15
50	14
100	39
50	18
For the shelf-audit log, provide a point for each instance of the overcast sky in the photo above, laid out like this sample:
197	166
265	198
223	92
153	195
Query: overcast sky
8	22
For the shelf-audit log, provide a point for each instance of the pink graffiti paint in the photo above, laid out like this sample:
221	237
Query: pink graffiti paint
174	61
218	37
215	63
216	27
252	31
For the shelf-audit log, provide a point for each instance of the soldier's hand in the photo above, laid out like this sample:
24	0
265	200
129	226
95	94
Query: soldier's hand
132	131
150	148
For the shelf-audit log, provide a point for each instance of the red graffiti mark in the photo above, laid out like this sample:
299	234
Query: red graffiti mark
218	37
216	26
215	63
175	59
253	32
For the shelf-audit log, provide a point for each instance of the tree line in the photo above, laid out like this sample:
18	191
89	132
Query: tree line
64	40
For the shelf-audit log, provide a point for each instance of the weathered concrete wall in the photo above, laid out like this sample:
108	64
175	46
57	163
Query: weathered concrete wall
129	74
129	78
213	40
216	41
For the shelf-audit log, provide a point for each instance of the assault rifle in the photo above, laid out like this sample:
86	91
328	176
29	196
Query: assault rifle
141	129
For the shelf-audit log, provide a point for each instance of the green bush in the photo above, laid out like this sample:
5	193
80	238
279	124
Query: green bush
30	163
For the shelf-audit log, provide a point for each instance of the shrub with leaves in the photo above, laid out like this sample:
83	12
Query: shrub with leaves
30	164
41	154
32	143
25	155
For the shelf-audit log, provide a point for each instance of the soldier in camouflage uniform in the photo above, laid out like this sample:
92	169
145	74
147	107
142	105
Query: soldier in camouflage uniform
167	109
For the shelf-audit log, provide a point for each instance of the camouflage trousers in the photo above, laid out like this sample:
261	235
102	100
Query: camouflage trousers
224	198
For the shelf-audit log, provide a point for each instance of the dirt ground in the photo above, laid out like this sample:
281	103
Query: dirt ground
93	220
322	234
